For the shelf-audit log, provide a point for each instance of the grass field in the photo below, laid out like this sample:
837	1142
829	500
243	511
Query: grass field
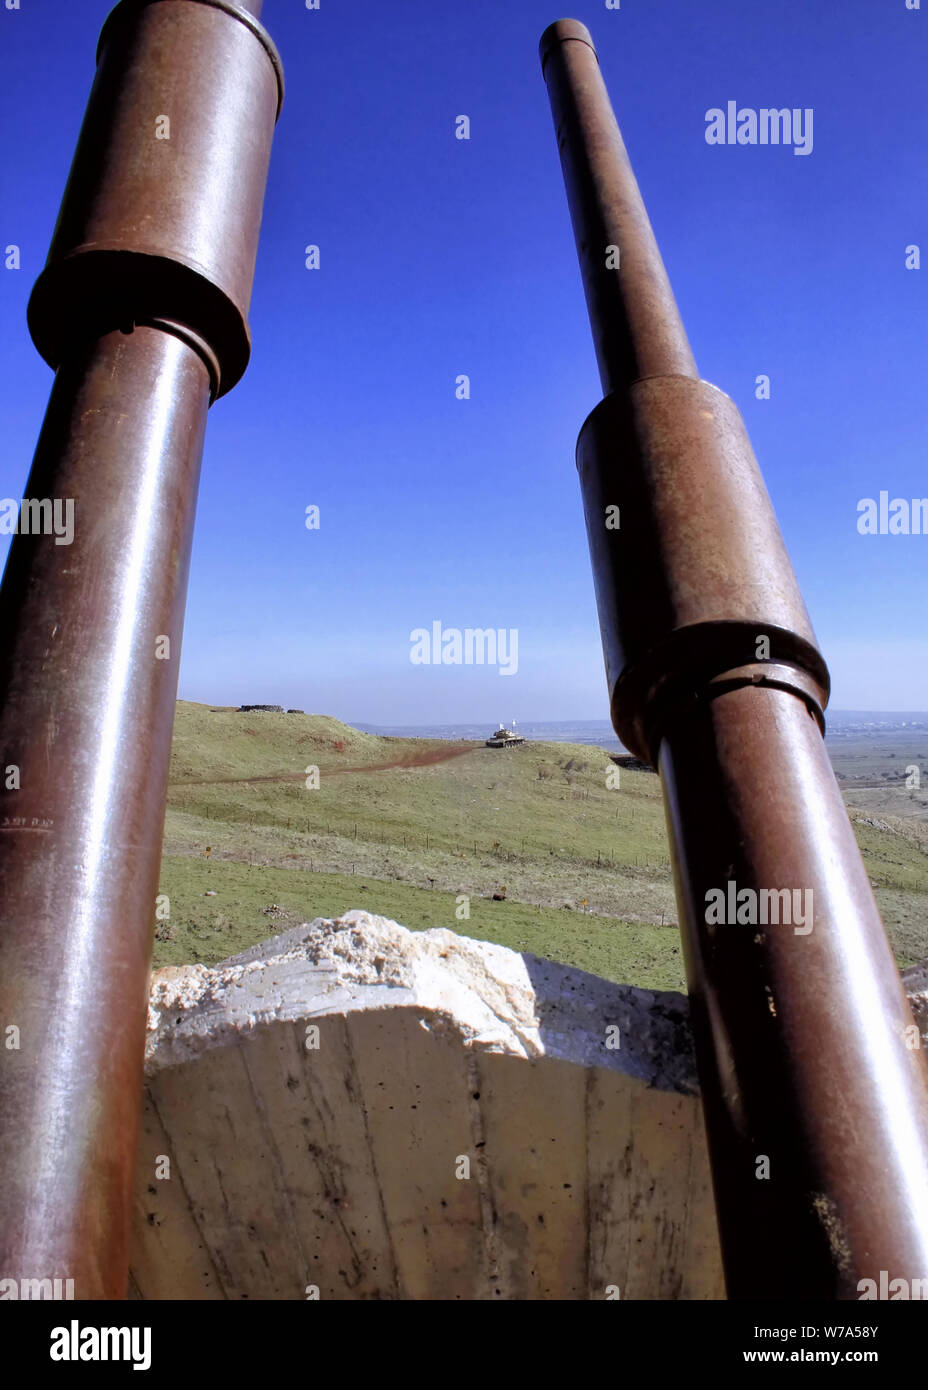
253	903
530	842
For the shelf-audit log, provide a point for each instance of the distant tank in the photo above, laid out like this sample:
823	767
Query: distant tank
505	738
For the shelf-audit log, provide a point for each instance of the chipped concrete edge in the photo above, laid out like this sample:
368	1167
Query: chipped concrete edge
494	999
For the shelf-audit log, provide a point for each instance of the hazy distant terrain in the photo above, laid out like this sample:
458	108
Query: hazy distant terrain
405	826
881	762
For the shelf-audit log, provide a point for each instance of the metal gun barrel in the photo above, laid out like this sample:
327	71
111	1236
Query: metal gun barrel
142	310
814	1086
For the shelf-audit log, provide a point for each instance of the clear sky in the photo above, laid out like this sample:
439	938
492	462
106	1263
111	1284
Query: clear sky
442	256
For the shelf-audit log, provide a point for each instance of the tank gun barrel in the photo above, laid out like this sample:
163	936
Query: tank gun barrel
142	310
814	1091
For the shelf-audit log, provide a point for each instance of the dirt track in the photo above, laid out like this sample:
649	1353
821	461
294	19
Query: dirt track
436	755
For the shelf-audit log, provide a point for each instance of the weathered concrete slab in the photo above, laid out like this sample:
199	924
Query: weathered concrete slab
462	1125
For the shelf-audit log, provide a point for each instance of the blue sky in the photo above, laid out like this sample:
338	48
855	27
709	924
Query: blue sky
441	257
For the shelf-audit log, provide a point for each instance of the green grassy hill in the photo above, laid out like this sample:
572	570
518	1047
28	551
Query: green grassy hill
530	843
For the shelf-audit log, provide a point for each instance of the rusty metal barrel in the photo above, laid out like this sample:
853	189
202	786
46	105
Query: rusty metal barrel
814	1084
142	309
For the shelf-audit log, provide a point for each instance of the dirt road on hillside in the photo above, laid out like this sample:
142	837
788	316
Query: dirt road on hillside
435	755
